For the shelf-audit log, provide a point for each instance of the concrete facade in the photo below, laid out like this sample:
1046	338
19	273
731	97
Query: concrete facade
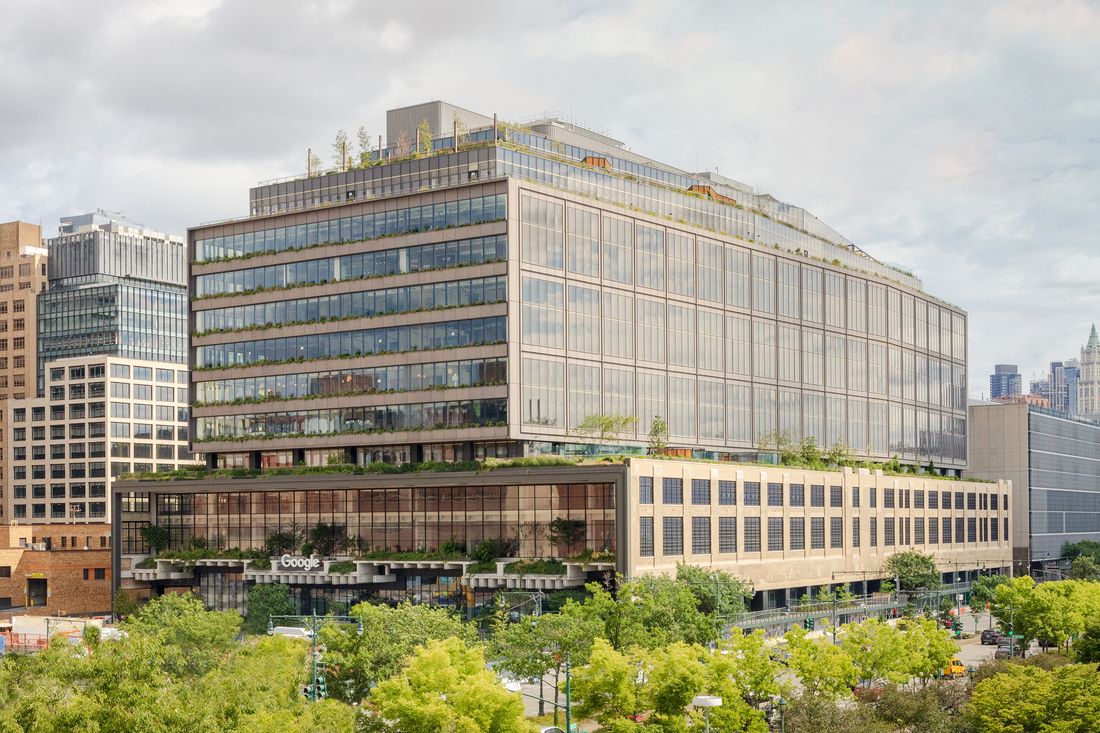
1053	463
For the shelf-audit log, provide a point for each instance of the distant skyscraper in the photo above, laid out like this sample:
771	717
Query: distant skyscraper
1059	395
1072	371
1040	387
1088	385
1005	382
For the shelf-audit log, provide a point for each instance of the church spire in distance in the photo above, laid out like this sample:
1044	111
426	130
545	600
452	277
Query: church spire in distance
1093	340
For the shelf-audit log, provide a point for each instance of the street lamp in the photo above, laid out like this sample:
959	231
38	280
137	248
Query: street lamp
782	719
706	702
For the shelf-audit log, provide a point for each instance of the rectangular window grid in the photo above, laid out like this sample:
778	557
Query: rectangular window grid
752	534
672	541
700	491
775	534
727	493
700	535
672	490
645	490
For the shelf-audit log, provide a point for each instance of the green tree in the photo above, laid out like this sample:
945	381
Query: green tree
605	429
878	651
822	667
1085	567
717	593
364	147
264	601
982	590
423	138
676	676
193	638
658	436
810	713
340	150
929	648
920	710
607	688
125	604
914	569
356	661
755	674
445	686
156	537
1085	548
1026	698
651	611
1087	648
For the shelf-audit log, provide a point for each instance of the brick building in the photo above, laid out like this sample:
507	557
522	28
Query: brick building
61	569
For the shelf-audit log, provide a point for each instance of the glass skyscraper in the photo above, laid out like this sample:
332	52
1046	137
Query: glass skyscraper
115	288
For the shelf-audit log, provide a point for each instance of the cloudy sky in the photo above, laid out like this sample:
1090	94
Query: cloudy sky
961	139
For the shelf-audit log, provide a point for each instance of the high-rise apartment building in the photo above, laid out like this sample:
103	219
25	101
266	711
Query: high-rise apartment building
1088	385
22	277
1005	382
481	297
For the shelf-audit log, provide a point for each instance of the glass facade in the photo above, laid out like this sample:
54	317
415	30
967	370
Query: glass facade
761	342
398	519
1064	483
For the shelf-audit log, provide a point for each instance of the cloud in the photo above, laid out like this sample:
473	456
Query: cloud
960	140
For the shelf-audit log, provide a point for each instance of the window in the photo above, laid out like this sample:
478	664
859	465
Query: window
993	529
836	496
796	495
958	500
752	533
855	498
672	490
874	531
100	573
798	533
775	534
727	493
645	491
700	491
918	530
918	499
817	495
993	502
673	538
727	534
933	530
775	494
700	535
751	495
971	500
645	536
888	532
120	371
888	498
817	533
960	530
971	529
836	532
855	531
120	390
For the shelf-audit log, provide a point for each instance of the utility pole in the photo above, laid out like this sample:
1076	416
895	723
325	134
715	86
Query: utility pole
314	624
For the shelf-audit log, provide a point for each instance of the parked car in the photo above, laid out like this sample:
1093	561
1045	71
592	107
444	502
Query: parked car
994	638
1006	651
954	670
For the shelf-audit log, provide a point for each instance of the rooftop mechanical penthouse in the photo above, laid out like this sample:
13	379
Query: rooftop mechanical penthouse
481	294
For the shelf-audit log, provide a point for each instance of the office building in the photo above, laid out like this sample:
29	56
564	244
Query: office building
1005	382
480	300
499	295
784	530
1053	464
1088	385
115	288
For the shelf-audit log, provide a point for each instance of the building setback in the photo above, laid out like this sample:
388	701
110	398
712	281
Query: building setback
485	302
1053	464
